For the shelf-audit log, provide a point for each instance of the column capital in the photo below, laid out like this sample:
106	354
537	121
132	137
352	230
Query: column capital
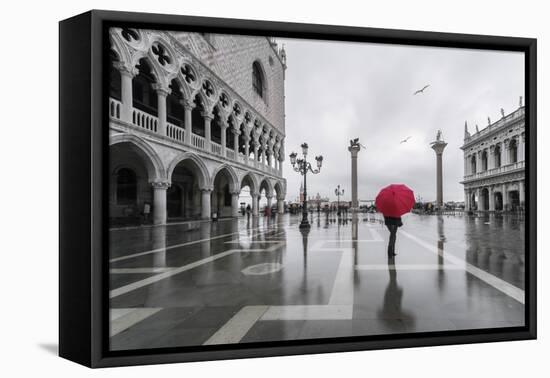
235	131
160	184
206	190
269	196
253	194
161	90
187	104
126	70
207	115
235	192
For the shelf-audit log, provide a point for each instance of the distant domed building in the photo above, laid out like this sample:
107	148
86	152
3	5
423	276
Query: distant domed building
494	164
194	118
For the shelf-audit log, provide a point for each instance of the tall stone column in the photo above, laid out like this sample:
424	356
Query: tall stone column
205	203
159	201
466	200
438	146
522	144
126	76
254	197
188	120
235	204
491	157
162	93
354	150
208	117
505	153
256	148
246	139
491	193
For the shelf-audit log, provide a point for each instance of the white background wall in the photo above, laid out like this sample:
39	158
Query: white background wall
29	189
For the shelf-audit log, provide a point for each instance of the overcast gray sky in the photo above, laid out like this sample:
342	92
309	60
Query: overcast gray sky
337	91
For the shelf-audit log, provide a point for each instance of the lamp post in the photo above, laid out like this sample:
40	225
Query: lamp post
302	166
338	193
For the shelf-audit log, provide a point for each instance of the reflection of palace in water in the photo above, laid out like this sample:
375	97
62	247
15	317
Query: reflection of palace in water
494	164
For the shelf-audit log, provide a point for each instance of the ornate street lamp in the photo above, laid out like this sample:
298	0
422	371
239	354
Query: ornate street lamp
302	166
338	193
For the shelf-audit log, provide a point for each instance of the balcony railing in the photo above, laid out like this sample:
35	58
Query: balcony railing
143	120
496	171
197	141
174	132
114	108
215	148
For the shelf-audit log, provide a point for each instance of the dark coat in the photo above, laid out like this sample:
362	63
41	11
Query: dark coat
391	221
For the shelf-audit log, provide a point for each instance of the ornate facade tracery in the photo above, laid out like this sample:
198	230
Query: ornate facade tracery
195	139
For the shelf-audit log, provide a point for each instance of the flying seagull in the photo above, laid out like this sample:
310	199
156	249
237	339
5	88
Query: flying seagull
405	140
421	90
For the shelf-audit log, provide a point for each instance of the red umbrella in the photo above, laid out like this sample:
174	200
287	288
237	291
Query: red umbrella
395	200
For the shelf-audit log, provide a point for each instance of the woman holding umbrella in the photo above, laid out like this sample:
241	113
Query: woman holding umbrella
393	201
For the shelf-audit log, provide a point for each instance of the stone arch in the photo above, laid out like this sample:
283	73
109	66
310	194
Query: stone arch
118	46
234	179
197	164
279	189
250	180
265	182
155	167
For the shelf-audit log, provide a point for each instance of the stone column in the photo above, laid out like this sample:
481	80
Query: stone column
159	201
354	149
223	127
205	203
465	166
126	76
188	120
281	159
491	157
521	185
208	117
505	153
280	204
236	134
438	146
491	192
466	200
256	148
235	204
161	105
246	139
264	147
254	197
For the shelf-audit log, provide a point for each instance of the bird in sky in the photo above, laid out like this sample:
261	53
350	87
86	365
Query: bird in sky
405	140
421	90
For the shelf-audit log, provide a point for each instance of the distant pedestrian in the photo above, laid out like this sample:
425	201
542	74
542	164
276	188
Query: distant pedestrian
248	210
392	224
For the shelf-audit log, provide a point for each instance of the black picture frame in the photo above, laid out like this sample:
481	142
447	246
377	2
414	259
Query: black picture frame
83	268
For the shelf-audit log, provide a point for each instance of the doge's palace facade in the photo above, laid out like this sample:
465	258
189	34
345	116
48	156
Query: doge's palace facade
193	119
494	164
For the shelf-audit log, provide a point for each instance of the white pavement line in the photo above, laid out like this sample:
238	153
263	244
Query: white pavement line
150	280
309	312
139	270
130	317
407	267
174	246
342	289
499	284
234	330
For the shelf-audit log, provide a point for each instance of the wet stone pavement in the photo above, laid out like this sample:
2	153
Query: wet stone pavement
238	281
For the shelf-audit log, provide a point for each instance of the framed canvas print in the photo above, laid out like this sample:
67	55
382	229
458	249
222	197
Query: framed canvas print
234	188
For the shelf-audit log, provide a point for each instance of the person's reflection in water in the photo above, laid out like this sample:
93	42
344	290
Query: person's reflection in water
305	234
391	312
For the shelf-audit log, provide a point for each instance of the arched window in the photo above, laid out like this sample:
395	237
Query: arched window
474	164
497	156
258	81
513	151
126	187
